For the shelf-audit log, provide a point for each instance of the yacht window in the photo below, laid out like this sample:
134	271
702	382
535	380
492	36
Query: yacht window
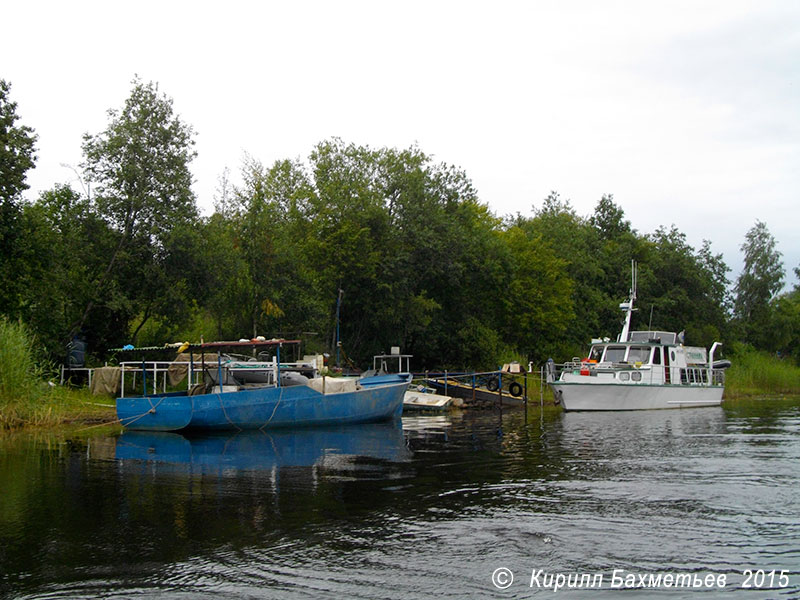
638	354
615	354
596	353
656	356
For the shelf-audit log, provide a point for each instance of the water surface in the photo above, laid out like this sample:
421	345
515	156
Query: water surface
432	505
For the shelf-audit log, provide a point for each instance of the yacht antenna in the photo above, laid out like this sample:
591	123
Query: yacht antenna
650	324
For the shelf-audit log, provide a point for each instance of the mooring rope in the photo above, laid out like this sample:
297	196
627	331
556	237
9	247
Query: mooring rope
152	410
224	412
274	410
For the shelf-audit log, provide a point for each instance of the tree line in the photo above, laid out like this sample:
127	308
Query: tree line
397	246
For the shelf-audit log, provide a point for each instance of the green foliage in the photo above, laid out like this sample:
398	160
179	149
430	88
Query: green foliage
17	149
17	157
781	327
422	262
537	300
761	279
140	165
686	290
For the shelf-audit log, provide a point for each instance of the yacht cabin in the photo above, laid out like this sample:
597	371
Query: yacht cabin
654	357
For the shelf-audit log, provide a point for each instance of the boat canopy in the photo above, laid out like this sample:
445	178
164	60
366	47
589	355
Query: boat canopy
658	337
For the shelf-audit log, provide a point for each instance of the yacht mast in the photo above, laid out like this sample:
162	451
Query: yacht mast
628	306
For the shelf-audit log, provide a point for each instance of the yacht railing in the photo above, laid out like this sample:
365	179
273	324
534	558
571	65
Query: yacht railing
621	372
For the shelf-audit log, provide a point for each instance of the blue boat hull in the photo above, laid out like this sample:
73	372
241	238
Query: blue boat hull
265	408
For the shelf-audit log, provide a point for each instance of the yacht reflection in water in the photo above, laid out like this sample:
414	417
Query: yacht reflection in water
342	447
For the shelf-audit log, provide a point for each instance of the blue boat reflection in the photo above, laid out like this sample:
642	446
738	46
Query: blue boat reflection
266	450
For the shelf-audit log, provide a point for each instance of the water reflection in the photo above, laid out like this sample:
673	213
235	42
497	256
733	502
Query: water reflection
227	453
383	511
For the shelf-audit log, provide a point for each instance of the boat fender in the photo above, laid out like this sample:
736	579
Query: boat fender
492	385
515	389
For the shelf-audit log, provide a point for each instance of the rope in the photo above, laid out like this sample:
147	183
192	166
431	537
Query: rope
274	410
114	422
148	412
224	412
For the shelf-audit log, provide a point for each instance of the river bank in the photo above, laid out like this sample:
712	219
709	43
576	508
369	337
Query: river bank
28	400
56	406
760	374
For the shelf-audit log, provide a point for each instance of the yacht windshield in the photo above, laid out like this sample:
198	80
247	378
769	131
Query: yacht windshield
615	354
639	354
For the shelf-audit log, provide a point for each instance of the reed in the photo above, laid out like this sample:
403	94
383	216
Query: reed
25	397
758	373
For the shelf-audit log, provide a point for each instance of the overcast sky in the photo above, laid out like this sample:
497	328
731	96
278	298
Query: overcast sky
687	112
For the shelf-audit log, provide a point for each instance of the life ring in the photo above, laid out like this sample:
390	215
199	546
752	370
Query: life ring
515	389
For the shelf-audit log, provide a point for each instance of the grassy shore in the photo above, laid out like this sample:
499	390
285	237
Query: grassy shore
53	406
27	398
756	373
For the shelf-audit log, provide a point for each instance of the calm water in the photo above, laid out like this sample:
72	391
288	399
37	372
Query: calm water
430	507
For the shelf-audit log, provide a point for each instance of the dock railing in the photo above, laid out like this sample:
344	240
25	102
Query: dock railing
501	383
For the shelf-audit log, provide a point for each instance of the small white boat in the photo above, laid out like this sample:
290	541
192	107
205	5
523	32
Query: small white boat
419	397
641	370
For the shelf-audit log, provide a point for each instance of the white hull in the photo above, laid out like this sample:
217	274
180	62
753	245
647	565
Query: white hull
619	396
416	400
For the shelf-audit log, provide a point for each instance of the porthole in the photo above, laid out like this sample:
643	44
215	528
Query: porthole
624	376
672	355
636	376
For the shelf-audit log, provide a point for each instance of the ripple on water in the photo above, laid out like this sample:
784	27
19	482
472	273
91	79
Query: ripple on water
703	490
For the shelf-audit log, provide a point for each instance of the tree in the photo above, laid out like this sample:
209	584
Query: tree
684	288
538	302
17	157
759	282
575	241
140	165
609	219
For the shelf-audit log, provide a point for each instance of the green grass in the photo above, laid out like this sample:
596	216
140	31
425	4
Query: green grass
28	399
758	373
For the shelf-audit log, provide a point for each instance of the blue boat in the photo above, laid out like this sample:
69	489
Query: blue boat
290	400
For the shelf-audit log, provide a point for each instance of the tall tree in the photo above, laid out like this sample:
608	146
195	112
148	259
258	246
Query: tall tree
575	241
759	282
683	289
140	165
17	157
